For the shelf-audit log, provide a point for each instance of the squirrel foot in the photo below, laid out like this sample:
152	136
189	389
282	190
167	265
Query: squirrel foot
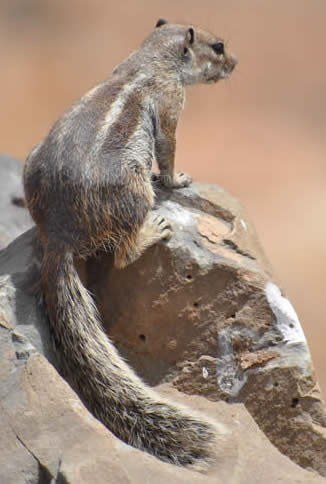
154	229
179	180
158	228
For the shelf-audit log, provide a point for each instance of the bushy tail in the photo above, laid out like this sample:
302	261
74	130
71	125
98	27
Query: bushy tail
107	386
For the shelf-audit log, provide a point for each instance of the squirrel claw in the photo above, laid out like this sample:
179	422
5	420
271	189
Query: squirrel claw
181	180
163	227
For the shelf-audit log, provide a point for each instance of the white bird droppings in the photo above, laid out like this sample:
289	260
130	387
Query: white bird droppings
286	317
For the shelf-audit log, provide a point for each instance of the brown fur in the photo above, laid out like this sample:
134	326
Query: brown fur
88	186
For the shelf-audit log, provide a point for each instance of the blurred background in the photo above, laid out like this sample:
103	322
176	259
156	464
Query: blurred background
260	135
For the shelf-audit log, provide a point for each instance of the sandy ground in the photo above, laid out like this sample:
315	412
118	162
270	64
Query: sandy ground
259	135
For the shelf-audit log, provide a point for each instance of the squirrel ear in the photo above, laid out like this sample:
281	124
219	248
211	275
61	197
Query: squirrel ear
190	36
161	21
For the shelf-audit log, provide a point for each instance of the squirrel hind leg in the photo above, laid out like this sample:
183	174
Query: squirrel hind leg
154	229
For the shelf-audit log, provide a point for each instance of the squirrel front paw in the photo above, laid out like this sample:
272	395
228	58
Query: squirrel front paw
179	180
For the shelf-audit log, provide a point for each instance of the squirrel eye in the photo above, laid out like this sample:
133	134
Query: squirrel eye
218	47
185	51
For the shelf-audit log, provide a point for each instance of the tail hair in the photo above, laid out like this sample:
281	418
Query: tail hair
105	383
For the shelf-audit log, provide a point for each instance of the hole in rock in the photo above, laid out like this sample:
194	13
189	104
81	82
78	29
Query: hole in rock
142	337
295	402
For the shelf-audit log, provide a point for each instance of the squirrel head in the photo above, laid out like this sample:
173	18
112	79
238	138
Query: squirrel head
198	56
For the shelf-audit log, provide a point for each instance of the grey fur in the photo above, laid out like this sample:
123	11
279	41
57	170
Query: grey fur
88	186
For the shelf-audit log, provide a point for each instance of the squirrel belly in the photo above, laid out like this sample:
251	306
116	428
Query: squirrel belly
88	186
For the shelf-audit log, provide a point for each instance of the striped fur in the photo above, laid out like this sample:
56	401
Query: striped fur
88	186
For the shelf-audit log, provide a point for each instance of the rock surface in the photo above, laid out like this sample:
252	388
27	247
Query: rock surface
199	312
13	220
206	312
48	437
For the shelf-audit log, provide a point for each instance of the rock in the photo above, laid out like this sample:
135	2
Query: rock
203	310
53	439
14	218
19	275
204	317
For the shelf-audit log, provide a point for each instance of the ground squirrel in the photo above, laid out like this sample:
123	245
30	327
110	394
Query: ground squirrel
88	186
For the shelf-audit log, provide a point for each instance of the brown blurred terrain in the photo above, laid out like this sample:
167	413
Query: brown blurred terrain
260	135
